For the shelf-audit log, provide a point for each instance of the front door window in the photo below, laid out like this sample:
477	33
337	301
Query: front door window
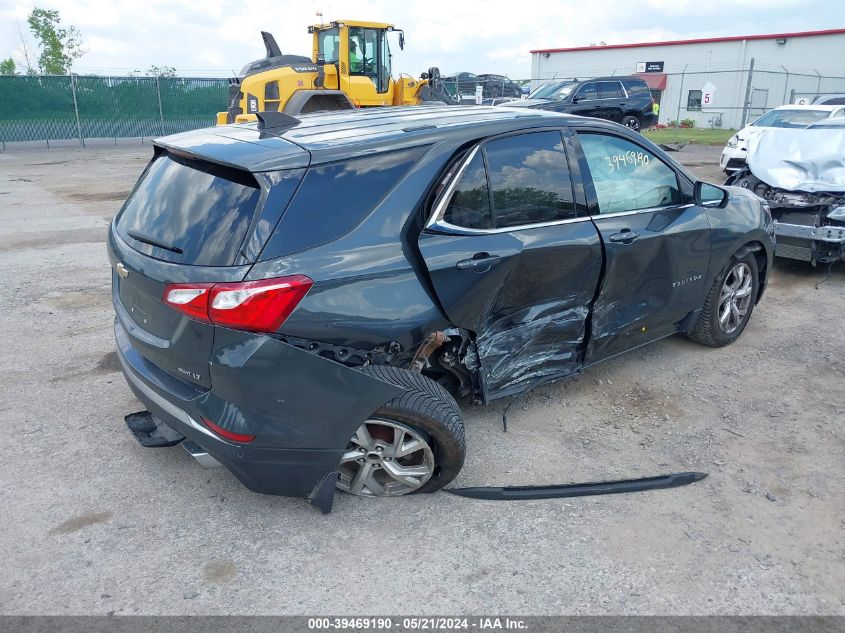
588	92
626	176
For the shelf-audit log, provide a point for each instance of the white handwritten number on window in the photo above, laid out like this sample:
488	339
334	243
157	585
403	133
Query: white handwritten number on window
625	160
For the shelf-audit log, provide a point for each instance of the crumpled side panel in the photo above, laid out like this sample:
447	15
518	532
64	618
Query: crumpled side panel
532	346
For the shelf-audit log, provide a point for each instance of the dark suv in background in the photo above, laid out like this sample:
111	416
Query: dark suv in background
499	86
299	299
625	100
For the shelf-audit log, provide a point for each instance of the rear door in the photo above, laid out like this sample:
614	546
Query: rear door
512	260
656	243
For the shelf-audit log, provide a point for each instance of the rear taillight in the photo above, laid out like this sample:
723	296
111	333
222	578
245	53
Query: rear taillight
243	438
257	306
192	299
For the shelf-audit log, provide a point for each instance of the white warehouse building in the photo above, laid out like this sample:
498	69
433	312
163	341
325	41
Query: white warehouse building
713	82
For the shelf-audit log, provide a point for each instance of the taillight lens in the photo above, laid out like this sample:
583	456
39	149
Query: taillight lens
257	306
243	438
192	299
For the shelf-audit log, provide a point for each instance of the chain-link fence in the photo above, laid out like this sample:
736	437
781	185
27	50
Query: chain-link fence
51	108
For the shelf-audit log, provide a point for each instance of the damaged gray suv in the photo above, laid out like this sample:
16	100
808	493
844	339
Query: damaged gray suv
300	300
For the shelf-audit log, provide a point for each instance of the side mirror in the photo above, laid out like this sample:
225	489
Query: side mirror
401	40
707	195
574	99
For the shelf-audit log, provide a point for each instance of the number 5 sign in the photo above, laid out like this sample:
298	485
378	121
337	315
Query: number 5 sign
707	94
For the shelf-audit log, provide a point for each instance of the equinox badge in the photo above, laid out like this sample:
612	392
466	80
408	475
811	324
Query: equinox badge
122	272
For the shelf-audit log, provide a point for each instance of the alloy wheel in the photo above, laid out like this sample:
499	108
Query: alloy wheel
385	459
633	123
735	298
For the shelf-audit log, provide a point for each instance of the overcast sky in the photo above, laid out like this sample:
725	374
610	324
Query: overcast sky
213	37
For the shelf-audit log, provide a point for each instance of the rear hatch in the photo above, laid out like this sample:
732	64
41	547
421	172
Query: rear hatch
188	220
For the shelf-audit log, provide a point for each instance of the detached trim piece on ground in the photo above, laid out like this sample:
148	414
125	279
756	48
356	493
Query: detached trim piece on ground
513	493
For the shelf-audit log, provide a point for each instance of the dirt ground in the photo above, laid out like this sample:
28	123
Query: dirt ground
93	524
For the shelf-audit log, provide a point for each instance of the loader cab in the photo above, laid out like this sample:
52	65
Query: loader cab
357	59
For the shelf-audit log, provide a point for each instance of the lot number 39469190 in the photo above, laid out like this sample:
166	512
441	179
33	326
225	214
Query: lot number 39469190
629	159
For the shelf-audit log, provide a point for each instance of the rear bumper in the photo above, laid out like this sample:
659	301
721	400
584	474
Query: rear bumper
648	118
302	408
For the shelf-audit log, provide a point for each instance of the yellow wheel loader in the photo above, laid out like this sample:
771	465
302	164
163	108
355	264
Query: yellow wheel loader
349	67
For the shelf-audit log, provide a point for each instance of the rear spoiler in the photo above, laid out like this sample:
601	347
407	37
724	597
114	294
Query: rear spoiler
242	146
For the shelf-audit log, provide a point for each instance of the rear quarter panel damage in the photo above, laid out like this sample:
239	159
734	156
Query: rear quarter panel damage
361	277
318	403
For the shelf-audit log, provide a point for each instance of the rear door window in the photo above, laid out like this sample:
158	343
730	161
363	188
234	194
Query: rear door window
529	179
470	203
636	87
189	211
610	90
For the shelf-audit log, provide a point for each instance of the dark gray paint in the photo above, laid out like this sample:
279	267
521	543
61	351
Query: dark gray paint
386	281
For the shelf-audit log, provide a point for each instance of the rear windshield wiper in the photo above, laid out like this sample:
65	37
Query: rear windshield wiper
146	239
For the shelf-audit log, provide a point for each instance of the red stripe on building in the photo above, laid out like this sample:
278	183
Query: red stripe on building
708	40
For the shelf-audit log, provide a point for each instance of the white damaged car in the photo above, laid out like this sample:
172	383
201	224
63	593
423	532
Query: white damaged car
784	117
800	173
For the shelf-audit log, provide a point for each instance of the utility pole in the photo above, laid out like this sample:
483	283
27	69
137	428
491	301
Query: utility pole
747	101
76	110
160	111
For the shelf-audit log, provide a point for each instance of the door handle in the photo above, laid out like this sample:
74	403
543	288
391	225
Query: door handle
625	236
480	262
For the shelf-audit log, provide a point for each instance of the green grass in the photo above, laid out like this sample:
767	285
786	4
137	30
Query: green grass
702	136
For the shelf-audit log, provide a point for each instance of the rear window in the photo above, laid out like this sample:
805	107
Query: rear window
610	90
334	198
189	211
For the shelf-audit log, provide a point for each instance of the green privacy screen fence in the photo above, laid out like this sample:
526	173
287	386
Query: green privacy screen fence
47	108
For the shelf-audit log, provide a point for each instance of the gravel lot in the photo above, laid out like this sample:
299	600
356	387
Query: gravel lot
93	524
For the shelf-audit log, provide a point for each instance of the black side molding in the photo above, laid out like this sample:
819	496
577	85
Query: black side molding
578	490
